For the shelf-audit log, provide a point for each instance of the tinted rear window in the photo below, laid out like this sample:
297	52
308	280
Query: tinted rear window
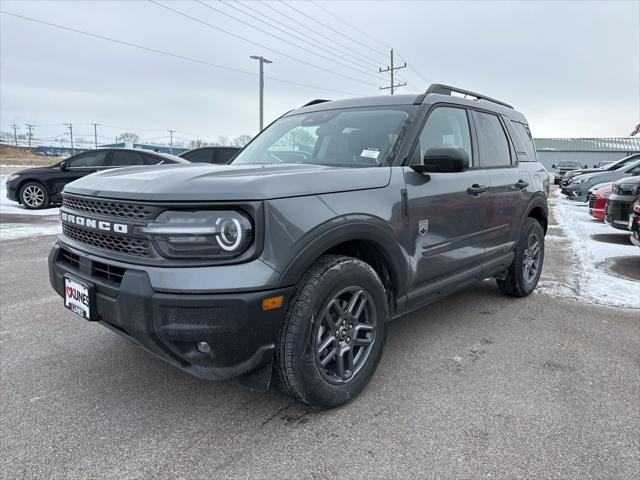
199	156
524	136
492	141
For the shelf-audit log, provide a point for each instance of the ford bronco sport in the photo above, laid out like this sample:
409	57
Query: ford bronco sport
338	217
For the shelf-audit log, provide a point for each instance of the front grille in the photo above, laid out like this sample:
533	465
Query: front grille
592	202
127	246
110	272
110	208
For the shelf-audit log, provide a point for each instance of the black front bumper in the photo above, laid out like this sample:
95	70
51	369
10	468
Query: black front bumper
12	191
240	334
618	209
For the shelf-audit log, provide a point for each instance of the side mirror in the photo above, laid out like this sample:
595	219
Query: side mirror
553	166
585	166
63	166
443	159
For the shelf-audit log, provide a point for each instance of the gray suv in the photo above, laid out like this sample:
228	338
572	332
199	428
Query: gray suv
337	218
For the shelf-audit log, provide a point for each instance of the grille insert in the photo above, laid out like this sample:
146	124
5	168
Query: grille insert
70	258
110	208
114	243
110	272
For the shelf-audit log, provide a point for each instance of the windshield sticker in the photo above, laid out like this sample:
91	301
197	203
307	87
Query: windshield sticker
370	153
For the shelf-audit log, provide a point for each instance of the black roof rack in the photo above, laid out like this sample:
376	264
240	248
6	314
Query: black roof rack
315	102
447	90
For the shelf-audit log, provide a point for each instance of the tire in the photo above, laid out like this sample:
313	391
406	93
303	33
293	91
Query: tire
34	196
521	279
319	315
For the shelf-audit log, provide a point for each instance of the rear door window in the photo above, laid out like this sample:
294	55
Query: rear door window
224	155
200	156
126	159
493	144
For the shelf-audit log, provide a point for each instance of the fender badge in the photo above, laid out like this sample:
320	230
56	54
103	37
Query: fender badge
423	227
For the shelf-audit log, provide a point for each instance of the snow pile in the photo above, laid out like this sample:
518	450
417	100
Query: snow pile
594	283
13	223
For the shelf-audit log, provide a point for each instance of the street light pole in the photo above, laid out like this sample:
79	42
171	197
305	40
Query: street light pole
262	61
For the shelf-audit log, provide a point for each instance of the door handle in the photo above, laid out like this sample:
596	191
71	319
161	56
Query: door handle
521	184
476	189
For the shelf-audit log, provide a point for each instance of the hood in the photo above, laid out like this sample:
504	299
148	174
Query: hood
46	169
205	182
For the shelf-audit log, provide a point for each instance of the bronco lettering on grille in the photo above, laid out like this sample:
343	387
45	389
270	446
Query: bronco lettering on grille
93	223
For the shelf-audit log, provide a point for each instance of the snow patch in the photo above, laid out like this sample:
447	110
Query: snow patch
45	222
594	283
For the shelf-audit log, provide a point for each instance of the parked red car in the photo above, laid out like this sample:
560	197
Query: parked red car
598	201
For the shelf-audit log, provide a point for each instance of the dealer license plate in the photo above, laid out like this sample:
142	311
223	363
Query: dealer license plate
78	297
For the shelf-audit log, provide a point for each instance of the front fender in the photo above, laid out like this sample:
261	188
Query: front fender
349	228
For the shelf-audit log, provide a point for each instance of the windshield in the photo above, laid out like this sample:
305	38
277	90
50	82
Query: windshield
569	164
352	137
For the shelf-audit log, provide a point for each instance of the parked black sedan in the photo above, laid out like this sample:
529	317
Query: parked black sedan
218	155
41	187
619	209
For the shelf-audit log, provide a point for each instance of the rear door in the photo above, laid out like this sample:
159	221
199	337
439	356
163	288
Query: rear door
509	185
447	219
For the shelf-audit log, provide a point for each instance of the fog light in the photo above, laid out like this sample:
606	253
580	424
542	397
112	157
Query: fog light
203	347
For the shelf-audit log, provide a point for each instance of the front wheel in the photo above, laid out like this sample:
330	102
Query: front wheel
333	333
523	274
34	196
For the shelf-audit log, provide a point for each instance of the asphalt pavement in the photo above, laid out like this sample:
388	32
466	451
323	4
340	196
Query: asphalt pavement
475	386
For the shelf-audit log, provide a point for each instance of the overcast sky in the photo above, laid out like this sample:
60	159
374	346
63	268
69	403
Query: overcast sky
573	68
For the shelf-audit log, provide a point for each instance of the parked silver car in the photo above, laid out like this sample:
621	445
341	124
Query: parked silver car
579	186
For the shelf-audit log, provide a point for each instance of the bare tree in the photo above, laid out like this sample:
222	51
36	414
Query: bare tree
242	140
129	137
222	140
197	143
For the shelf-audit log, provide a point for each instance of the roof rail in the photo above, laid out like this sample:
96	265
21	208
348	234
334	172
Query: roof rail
314	102
447	90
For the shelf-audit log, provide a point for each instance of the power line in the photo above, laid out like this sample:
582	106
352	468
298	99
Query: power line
178	12
260	16
350	25
284	40
363	60
353	27
174	55
330	28
271	7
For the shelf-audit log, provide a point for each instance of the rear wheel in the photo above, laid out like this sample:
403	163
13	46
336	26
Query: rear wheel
333	333
34	195
523	274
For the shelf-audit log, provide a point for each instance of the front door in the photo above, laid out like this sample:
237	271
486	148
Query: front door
448	212
81	165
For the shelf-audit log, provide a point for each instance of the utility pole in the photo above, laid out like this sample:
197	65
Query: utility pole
392	71
70	127
29	134
262	61
171	132
95	134
15	134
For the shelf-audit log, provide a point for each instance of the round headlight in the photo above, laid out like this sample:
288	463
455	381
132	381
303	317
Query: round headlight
230	234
